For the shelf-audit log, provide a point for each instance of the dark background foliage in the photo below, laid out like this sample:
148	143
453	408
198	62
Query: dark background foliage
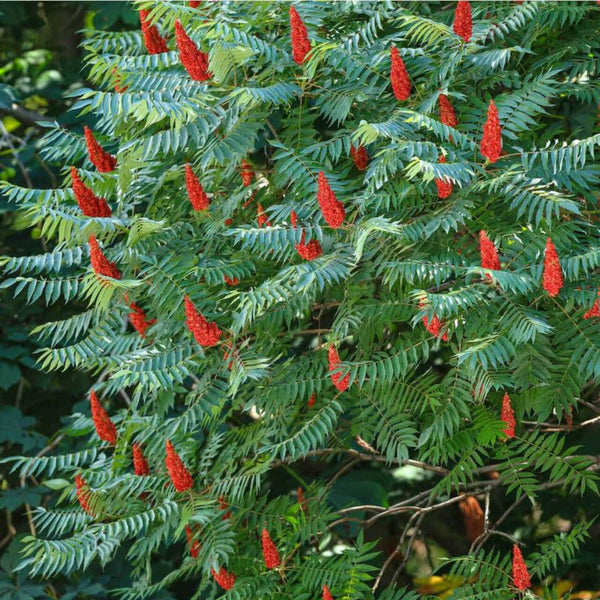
40	62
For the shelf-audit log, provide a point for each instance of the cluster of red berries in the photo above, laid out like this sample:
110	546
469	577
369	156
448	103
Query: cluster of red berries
444	186
196	194
105	428
155	43
339	380
332	209
300	42
102	160
137	317
90	204
308	251
508	416
205	333
101	264
360	157
194	60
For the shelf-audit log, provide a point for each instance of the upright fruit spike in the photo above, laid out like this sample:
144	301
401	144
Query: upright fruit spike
463	21
340	381
508	416
491	141
205	333
137	317
155	43
194	60
90	204
331	208
308	251
102	160
360	157
105	428
326	593
444	186
180	476
261	216
83	494
520	573
489	256
246	172
270	553
198	198
99	262
434	327
447	116
140	464
223	578
399	76
300	42
552	278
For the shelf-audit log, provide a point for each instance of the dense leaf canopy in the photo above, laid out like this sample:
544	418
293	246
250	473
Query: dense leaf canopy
391	343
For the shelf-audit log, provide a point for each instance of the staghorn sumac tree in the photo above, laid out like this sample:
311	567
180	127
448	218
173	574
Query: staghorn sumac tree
355	236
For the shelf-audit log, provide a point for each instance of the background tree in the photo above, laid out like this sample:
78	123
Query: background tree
338	264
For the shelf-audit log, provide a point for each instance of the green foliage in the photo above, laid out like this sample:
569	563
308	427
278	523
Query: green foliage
239	413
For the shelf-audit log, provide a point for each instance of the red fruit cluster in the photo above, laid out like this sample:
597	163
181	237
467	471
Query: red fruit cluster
231	280
196	193
463	21
140	464
332	209
194	61
246	172
300	42
312	400
360	157
491	142
90	204
105	428
293	219
308	251
83	494
223	505
447	116
223	578
155	43
326	593
399	76
489	256
508	416
270	554
102	160
205	333
595	310
444	187
341	382
100	264
435	326
193	545
180	476
552	278
261	216
138	319
194	3
520	573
